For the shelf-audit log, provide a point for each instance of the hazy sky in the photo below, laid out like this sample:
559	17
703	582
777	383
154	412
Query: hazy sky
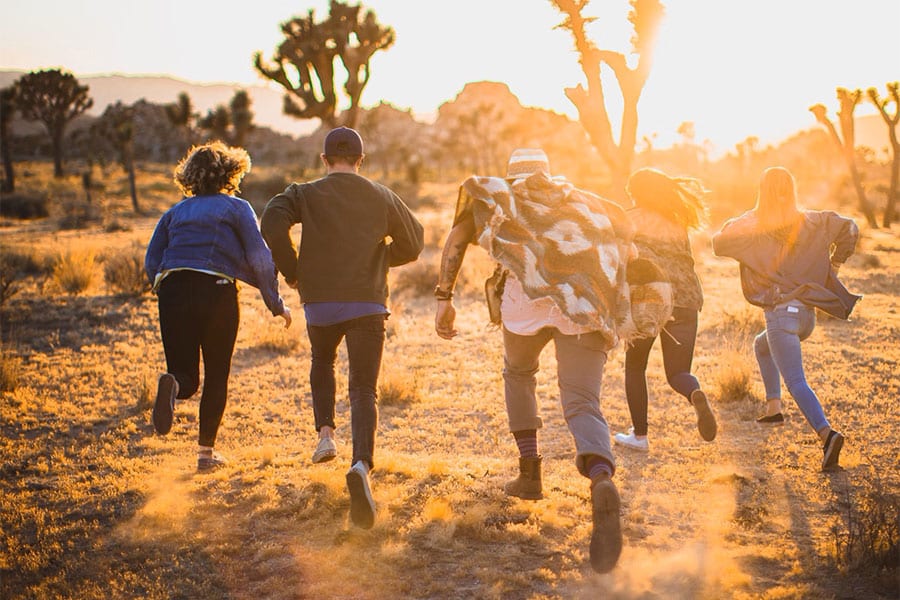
734	68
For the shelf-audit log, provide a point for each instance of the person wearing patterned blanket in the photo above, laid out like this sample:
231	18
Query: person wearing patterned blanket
564	251
665	209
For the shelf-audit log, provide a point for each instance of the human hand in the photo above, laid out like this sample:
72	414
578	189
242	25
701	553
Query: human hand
444	319
286	315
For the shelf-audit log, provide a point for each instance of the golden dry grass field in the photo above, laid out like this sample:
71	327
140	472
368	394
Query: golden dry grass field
94	504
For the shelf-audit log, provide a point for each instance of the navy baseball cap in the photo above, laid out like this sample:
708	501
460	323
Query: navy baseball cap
343	141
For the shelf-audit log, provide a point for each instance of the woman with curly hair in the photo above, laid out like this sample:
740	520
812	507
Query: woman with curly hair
199	249
789	260
665	209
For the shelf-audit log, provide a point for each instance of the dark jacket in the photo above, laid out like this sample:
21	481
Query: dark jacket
353	231
214	233
792	263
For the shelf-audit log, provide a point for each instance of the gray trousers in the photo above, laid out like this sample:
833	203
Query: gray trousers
580	360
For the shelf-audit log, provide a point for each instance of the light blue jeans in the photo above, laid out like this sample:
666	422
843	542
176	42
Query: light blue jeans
580	360
779	356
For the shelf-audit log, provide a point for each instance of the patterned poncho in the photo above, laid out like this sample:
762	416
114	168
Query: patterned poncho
560	242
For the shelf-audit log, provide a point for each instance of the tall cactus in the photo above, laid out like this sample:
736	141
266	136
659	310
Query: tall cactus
7	106
891	120
55	98
645	17
846	142
304	62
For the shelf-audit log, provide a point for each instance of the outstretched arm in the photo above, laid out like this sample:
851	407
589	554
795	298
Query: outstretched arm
451	261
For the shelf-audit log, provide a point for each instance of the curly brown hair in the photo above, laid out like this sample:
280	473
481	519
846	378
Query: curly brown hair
212	168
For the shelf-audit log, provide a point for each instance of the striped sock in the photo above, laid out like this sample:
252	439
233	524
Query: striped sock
527	443
597	467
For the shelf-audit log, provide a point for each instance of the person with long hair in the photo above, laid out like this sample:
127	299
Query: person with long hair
789	261
665	209
199	249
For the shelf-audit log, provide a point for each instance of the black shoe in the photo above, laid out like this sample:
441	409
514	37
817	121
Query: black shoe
832	450
606	537
776	418
164	407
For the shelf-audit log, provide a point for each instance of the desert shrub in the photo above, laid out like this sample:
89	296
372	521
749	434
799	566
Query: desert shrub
124	272
398	390
10	370
77	214
13	268
74	271
24	206
867	535
734	376
258	189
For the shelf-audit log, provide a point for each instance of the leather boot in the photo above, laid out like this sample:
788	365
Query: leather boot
528	484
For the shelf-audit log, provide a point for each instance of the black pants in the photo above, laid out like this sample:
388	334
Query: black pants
198	314
678	353
365	344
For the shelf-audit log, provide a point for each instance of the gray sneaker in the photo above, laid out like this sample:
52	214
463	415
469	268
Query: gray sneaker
207	461
325	450
606	537
362	506
706	420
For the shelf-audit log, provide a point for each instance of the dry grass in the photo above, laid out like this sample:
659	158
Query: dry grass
124	273
95	505
74	271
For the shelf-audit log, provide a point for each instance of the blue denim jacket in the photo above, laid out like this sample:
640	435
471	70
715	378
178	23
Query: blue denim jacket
215	233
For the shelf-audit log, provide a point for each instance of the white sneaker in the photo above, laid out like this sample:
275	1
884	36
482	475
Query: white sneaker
632	441
325	450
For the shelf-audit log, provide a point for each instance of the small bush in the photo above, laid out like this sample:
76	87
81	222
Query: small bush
734	377
22	206
398	390
124	272
10	370
867	537
74	271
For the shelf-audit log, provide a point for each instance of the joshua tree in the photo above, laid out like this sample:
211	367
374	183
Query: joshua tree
848	101
54	98
304	62
645	16
893	95
7	106
115	130
181	114
231	123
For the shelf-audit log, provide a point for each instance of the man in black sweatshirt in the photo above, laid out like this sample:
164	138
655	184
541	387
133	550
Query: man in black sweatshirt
352	231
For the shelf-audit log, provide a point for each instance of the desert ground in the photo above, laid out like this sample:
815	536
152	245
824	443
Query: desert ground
94	504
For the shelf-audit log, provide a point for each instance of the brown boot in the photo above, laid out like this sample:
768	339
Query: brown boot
528	484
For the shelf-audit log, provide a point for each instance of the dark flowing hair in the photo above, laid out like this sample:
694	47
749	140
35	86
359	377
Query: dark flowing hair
212	168
678	199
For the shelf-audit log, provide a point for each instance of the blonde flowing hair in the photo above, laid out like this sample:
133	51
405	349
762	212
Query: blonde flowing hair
776	202
212	168
678	199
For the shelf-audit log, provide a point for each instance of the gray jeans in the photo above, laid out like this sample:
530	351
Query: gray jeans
580	360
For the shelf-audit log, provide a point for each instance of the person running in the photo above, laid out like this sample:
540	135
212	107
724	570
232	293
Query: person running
340	270
665	209
562	251
789	261
198	251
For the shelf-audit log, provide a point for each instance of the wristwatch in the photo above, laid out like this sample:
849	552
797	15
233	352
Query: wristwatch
442	294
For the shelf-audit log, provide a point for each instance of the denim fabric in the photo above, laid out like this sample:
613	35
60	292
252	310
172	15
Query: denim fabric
197	314
365	343
779	356
214	233
580	360
678	340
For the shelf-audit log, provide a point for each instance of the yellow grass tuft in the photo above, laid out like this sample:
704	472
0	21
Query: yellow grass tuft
10	370
437	509
734	377
74	271
398	389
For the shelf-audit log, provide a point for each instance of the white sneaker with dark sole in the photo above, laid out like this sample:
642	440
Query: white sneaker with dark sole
632	441
362	506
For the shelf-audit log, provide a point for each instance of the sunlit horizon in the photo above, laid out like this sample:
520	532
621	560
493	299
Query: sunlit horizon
735	70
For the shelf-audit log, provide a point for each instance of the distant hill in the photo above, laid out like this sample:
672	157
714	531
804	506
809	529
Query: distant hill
267	102
108	89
